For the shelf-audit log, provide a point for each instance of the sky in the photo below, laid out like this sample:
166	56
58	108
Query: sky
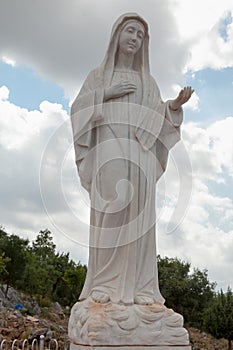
47	48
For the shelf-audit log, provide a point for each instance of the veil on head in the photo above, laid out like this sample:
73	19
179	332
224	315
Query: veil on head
141	61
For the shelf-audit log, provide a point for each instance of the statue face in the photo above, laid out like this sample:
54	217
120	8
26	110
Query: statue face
131	38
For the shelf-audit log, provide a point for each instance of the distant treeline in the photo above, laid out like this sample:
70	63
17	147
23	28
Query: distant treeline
35	268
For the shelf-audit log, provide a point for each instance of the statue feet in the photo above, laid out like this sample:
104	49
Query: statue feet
100	297
143	300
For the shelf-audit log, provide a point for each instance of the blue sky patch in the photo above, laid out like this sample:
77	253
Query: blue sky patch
28	90
214	88
223	26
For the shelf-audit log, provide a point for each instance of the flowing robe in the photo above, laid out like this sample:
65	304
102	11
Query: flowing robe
121	151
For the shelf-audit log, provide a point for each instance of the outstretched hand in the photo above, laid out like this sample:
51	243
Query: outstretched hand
183	97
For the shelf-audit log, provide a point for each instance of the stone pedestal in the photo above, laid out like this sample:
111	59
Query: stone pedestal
133	347
126	327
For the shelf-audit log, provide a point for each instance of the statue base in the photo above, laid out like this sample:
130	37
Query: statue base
130	347
114	326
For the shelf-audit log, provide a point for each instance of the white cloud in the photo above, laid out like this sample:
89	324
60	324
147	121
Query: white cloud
193	18
204	235
184	35
193	103
8	60
4	93
19	126
33	145
221	134
200	24
65	49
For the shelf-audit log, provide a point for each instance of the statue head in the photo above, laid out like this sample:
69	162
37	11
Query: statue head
141	50
131	37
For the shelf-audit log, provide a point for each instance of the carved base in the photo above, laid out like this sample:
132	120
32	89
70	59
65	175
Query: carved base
103	326
134	347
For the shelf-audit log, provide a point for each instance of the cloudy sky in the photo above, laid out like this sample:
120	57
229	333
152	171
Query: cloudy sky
46	50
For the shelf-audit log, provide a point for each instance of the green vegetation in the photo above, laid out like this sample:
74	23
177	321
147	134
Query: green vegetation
194	296
185	292
37	269
218	317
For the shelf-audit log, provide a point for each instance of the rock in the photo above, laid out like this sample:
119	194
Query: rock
14	299
58	328
3	323
15	324
2	295
59	309
12	317
37	310
50	335
16	333
33	305
6	331
54	317
32	319
18	314
44	323
57	306
35	332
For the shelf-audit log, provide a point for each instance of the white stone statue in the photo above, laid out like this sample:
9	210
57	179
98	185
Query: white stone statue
123	132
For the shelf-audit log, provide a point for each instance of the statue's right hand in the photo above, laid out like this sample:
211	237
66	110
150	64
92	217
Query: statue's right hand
120	89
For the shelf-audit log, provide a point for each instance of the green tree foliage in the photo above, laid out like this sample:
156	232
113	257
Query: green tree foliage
46	270
218	317
41	267
38	269
185	292
43	246
74	278
3	261
13	248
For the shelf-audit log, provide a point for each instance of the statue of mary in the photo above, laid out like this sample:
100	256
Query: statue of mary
123	132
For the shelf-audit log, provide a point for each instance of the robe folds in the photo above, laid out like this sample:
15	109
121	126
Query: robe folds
121	147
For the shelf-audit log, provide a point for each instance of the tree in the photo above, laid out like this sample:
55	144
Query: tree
43	245
200	295
40	274
38	269
46	274
3	261
74	278
185	292
14	250
60	291
218	317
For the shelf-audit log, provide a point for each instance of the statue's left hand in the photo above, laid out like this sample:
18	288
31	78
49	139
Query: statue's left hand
183	97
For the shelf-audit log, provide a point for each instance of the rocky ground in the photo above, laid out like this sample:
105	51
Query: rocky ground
15	325
22	318
202	341
52	322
